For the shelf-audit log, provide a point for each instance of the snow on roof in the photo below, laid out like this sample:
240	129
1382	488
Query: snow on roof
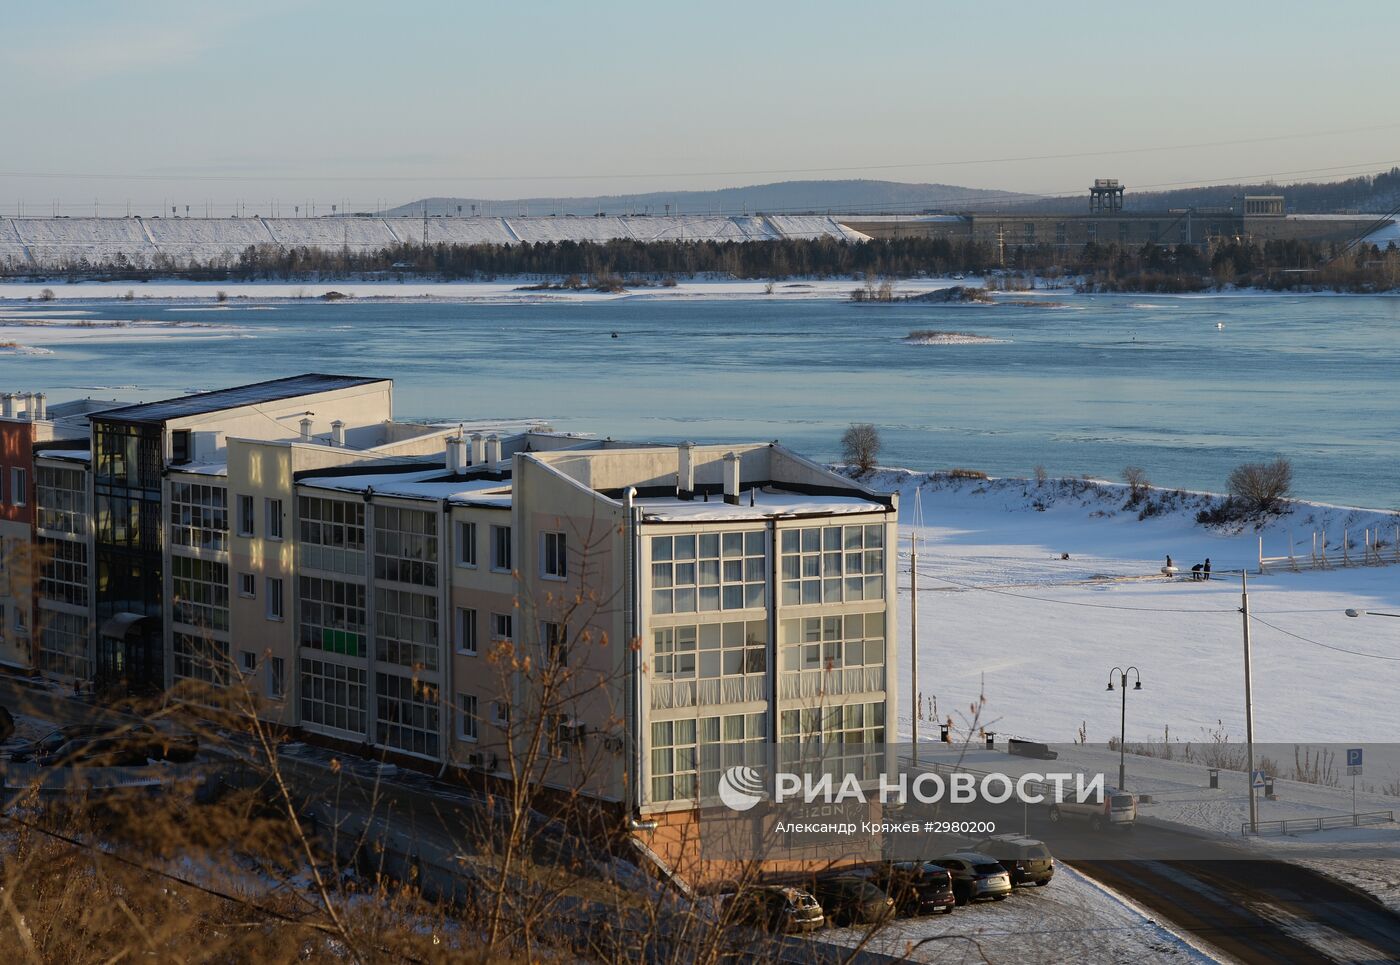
767	503
435	483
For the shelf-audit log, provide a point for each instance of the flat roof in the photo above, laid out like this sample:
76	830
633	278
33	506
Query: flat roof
767	503
218	400
436	483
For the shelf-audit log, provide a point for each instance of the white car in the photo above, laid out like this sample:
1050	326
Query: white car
1114	809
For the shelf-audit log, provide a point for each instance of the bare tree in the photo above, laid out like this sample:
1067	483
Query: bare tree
1136	478
860	445
1262	486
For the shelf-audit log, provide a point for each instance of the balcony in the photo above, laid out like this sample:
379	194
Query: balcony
808	684
710	691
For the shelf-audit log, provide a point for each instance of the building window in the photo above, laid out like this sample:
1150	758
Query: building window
555	558
333	695
63	645
407	714
554	641
1061	234
466	630
860	725
60	496
673	760
198	516
19	485
708	572
406	628
274	519
200	591
500	713
275	606
466	544
1123	231
405	546
247	585
332	534
829	564
21	619
1091	232
332	616
198	657
1030	232
502	626
832	642
179	446
245	515
247	662
727	741
466	717
277	678
711	650
63	571
500	548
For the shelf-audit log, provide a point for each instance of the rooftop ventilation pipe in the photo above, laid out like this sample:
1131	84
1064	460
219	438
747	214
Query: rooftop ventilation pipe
685	485
478	449
7	405
338	434
305	430
29	406
493	448
41	406
731	478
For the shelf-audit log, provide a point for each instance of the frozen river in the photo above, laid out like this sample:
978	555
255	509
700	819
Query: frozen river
1186	387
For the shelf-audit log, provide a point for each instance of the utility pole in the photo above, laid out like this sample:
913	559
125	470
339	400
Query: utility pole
914	623
1248	704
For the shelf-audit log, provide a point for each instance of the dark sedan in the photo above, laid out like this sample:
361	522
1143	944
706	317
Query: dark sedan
917	887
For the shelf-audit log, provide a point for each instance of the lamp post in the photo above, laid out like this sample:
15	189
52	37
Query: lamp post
1123	721
1370	613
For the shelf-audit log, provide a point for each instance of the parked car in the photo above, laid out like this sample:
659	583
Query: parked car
917	887
1115	809
108	750
849	900
976	876
1027	860
777	908
155	744
1035	749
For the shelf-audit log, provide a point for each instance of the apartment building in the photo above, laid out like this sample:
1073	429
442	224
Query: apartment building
621	619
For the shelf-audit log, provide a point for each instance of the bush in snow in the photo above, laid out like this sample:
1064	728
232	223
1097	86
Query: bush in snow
1262	486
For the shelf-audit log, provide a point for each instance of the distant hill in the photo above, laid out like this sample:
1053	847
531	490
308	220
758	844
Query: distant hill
1368	193
783	197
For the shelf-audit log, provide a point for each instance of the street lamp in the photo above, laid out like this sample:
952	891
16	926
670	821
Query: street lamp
1123	722
1370	613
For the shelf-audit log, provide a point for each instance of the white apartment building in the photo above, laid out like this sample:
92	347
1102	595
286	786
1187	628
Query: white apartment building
448	594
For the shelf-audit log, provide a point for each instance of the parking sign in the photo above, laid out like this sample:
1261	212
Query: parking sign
1353	760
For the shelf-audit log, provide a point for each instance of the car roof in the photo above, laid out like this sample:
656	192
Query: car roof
976	857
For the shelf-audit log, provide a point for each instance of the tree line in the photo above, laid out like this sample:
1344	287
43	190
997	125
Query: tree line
1288	264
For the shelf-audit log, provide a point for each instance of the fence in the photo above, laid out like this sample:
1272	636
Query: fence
1362	820
1375	550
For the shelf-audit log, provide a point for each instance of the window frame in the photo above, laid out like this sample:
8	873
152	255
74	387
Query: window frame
276	608
466	632
554	555
464	532
247	516
465	715
276	531
501	547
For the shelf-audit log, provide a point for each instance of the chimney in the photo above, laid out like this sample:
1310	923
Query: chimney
478	449
456	455
493	448
338	434
7	405
305	430
731	478
41	408
29	406
686	485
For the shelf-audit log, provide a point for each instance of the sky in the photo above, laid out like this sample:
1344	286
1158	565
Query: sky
269	104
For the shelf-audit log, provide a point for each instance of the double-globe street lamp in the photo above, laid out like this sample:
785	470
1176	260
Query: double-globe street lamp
1123	721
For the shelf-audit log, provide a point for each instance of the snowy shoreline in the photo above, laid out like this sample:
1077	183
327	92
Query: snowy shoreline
515	290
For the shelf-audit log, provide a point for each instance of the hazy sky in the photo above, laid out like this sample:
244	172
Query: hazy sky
180	101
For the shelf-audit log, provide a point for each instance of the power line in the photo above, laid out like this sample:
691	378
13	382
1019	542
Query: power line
1325	646
1015	159
1094	606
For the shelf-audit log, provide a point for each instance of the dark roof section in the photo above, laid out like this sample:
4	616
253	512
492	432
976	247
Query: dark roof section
256	393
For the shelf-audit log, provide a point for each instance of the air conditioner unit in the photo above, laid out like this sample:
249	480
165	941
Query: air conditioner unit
482	761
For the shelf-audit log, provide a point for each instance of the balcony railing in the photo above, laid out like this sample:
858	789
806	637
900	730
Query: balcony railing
668	694
807	684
